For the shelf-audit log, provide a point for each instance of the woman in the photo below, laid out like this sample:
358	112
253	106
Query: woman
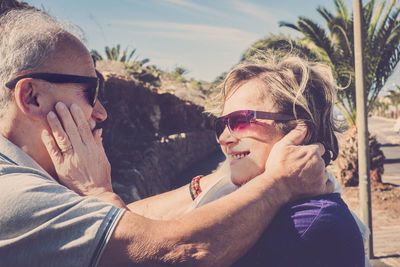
260	103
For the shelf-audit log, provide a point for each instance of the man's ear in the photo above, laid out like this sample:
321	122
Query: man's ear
28	96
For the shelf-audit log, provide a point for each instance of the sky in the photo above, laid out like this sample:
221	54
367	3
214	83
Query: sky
205	37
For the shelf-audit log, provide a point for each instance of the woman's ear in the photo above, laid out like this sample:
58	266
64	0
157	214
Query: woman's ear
28	96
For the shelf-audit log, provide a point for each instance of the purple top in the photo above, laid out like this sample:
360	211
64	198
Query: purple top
319	231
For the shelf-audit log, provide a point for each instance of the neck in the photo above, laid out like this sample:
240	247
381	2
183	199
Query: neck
26	135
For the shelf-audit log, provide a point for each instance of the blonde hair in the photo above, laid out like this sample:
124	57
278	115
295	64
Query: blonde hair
298	87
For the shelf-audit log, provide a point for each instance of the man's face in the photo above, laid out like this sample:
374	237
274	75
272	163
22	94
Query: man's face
74	60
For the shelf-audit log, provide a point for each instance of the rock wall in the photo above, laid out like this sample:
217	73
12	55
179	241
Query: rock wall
151	136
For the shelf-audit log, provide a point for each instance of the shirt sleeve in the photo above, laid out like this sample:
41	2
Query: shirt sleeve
313	232
42	223
328	233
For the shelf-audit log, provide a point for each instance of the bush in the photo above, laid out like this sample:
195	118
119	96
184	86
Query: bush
196	85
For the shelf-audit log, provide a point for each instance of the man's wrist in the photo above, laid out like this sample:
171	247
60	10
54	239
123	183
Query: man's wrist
277	189
111	198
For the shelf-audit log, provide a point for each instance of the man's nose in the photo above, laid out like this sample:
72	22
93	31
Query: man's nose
99	113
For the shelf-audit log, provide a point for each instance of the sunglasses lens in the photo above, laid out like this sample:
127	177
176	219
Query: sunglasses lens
219	127
93	92
239	124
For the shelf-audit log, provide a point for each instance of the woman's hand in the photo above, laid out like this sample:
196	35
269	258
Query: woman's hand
78	154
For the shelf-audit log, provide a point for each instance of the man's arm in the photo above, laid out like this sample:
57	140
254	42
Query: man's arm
215	234
172	204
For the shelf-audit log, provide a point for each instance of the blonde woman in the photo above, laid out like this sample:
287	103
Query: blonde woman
261	102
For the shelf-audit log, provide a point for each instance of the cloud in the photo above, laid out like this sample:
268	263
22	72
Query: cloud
198	32
256	11
193	6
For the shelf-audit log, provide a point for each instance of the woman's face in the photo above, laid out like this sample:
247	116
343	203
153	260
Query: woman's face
247	155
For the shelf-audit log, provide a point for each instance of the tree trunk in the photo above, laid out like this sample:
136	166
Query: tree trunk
347	161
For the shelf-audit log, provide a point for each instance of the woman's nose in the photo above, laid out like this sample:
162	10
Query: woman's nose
226	137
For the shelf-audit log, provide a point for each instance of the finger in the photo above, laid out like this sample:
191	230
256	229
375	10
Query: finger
68	123
317	147
99	139
60	136
321	148
97	136
52	148
82	124
295	136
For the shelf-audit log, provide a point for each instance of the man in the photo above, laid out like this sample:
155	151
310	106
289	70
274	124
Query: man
43	223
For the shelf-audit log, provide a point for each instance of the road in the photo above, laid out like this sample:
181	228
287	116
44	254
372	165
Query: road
390	140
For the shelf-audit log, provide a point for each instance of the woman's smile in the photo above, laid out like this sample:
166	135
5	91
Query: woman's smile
239	155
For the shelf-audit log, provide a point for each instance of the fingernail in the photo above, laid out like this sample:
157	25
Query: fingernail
74	106
100	131
51	115
61	105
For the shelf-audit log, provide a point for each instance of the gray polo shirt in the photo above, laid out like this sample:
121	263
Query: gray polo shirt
43	223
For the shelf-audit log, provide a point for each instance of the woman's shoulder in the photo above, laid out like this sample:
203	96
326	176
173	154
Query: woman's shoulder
316	214
318	231
324	228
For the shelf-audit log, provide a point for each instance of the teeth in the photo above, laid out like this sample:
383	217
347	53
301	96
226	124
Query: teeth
239	156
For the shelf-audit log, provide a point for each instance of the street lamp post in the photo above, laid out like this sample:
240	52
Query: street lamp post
362	125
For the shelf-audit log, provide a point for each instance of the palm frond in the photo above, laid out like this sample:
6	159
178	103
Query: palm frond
131	55
375	19
341	9
325	14
368	10
288	24
317	35
383	21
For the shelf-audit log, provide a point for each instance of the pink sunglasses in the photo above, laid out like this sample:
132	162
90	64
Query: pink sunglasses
238	122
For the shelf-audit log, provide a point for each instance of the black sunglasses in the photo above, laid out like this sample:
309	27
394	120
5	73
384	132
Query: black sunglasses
95	84
238	122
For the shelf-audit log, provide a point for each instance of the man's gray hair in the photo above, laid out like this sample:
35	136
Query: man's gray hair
27	38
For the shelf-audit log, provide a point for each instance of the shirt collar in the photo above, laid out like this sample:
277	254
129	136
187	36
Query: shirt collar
12	153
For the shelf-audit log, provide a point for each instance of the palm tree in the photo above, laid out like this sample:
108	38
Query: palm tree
114	53
381	48
381	54
281	43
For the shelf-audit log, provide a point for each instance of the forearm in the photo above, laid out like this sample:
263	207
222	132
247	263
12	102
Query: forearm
164	206
172	204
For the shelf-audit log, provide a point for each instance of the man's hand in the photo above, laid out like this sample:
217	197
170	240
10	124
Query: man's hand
300	168
78	154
